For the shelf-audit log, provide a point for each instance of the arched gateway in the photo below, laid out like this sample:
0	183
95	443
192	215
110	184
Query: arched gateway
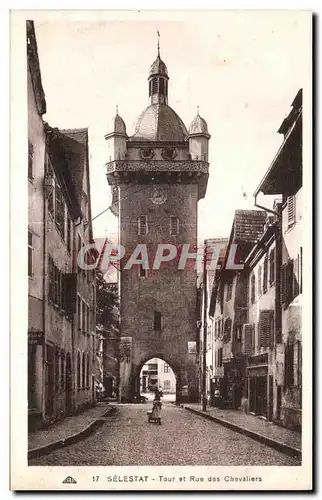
157	177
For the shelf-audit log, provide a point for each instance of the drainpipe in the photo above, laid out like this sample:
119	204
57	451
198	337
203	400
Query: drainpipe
44	360
278	265
265	208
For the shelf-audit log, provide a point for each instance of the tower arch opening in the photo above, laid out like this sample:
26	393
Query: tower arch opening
157	373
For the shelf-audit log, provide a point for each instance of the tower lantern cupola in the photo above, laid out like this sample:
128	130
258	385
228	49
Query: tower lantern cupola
158	81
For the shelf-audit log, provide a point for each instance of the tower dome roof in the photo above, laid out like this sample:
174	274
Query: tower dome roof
159	122
198	126
158	68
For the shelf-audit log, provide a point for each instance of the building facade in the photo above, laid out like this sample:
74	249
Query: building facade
157	177
36	169
61	329
256	311
284	178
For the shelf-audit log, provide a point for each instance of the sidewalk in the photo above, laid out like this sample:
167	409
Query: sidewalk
67	431
280	438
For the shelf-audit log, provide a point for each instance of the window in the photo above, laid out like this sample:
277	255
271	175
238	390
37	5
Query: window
161	86
88	320
220	357
79	309
272	266
260	280
167	385
59	210
166	368
57	370
252	288
289	365
62	371
30	254
227	330
51	196
174	225
142	271
87	370
142	225
229	290
154	85
78	370
30	161
83	316
69	232
32	378
265	274
290	211
83	370
157	321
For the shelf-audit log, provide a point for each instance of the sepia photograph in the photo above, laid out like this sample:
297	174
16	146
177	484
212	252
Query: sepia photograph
167	278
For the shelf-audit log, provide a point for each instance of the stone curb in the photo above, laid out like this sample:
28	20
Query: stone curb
74	438
277	445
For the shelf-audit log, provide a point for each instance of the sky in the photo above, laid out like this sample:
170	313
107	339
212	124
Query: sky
242	68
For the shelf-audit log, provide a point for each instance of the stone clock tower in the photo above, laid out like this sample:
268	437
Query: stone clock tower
157	177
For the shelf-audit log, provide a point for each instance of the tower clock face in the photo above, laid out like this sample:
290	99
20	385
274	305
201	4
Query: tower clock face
146	153
158	196
169	153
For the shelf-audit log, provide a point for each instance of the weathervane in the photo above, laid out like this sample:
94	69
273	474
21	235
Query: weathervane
158	43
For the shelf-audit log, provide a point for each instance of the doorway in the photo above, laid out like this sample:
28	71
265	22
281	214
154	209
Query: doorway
258	396
50	380
69	384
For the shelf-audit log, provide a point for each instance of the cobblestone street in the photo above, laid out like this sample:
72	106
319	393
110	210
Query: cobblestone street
126	438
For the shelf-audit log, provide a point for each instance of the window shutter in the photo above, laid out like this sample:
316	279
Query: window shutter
266	328
248	336
290	210
283	284
289	282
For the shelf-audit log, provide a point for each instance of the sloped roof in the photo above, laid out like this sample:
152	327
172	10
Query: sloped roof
33	62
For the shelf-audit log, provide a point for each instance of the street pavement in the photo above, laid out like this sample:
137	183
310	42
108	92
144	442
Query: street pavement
126	438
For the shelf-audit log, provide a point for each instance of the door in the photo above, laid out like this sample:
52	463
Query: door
252	394
69	384
261	399
93	388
